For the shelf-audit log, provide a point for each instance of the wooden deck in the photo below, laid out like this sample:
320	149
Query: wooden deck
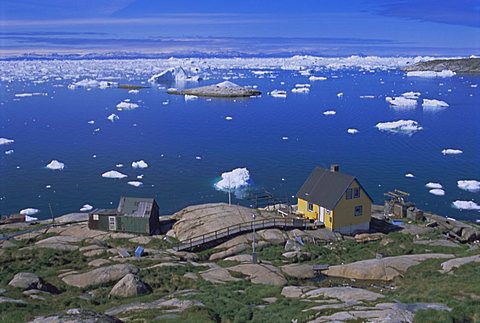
211	239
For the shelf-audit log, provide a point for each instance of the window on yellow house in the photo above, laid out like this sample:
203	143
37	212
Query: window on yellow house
310	207
356	192
358	210
348	195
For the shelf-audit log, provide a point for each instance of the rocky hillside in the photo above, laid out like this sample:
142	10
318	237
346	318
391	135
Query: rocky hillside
459	66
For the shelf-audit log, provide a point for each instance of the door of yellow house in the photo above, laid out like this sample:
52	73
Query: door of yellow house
321	213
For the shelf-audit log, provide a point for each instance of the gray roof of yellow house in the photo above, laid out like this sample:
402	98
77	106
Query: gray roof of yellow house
135	206
325	188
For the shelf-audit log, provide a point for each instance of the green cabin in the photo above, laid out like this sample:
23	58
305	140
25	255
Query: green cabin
133	215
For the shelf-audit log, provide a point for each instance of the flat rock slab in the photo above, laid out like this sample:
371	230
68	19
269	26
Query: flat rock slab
218	276
300	271
261	274
344	294
11	300
171	305
102	275
60	239
451	264
438	243
77	315
240	258
229	252
99	262
381	269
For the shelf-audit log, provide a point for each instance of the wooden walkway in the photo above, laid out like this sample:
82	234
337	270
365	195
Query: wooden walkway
211	239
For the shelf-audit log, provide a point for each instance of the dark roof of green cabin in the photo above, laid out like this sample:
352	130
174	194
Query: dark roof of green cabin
325	188
135	206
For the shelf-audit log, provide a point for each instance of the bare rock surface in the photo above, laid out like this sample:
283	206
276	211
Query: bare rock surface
102	275
11	300
452	264
229	252
261	273
240	258
381	269
77	316
129	286
171	305
26	281
438	243
98	262
274	236
300	271
218	275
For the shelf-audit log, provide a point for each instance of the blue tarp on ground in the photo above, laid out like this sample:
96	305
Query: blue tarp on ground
139	251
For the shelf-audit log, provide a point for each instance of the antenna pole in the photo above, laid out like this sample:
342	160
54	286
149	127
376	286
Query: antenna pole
51	213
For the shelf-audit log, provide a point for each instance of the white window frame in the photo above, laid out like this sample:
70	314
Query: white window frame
308	207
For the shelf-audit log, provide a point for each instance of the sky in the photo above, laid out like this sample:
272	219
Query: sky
250	27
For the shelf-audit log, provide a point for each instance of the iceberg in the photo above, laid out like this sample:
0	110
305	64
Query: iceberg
399	126
86	208
330	113
444	73
411	95
89	83
236	179
469	185
9	152
278	94
113	117
135	183
189	97
303	90
352	131
5	141
437	192
367	97
29	211
450	151
134	91
401	101
91	122
409	175
173	75
434	103
113	174
224	89
228	118
340	95
55	165
140	164
125	105
466	205
24	95
434	185
30	218
316	78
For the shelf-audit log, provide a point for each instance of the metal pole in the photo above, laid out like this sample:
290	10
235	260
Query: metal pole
254	253
229	194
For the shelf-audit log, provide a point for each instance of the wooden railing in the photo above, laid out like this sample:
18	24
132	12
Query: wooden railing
219	235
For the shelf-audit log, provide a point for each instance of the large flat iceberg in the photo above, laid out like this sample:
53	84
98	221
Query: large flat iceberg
113	174
401	101
466	205
172	75
139	164
5	141
89	83
29	211
444	73
125	105
469	185
434	103
399	126
236	179
451	151
434	185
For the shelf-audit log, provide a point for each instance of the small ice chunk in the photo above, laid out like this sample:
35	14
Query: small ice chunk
113	117
437	192
140	164
405	126
304	90
411	95
329	113
284	138
228	118
9	152
86	208
189	97
235	179
444	73
29	211
126	105
340	95
55	165
5	141
198	157
434	185
48	186
91	122
133	91
316	78
465	205
367	97
434	103
278	94
140	176
469	185
451	151
352	131
113	174
135	183
400	101
119	165
30	218
24	95
409	175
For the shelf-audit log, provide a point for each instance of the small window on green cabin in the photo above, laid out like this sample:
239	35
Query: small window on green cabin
356	192
358	210
310	207
349	194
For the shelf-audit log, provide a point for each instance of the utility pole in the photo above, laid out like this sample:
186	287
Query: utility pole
229	193
254	253
51	213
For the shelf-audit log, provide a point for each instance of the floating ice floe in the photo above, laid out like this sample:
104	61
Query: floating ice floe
172	75
340	95
9	152
399	126
29	211
284	138
444	73
30	218
89	83
113	117
367	96
198	157
409	175
469	185
466	205
434	185
316	78
228	118
55	165
140	176
236	179
278	94
134	91
140	164
437	192
86	208
25	95
135	183
190	97
113	174
91	122
303	90
411	95
330	113
401	101
352	131
5	141
434	103
119	165
126	105
451	151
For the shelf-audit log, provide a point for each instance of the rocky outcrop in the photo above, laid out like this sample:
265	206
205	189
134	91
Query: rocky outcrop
171	304
102	275
229	252
460	66
27	281
224	89
260	273
350	295
299	271
366	237
452	264
218	275
129	286
380	269
11	300
77	316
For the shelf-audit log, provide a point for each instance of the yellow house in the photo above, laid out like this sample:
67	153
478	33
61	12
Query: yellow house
335	199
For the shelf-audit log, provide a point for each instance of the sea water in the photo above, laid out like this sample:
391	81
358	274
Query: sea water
188	144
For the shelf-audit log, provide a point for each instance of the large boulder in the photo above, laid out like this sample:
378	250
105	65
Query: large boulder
260	274
26	281
274	236
129	286
235	250
218	275
300	271
469	235
102	275
452	264
380	269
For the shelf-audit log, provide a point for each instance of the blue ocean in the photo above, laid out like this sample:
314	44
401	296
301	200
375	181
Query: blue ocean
188	144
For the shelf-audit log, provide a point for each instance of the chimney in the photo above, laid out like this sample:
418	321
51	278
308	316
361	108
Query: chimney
335	168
